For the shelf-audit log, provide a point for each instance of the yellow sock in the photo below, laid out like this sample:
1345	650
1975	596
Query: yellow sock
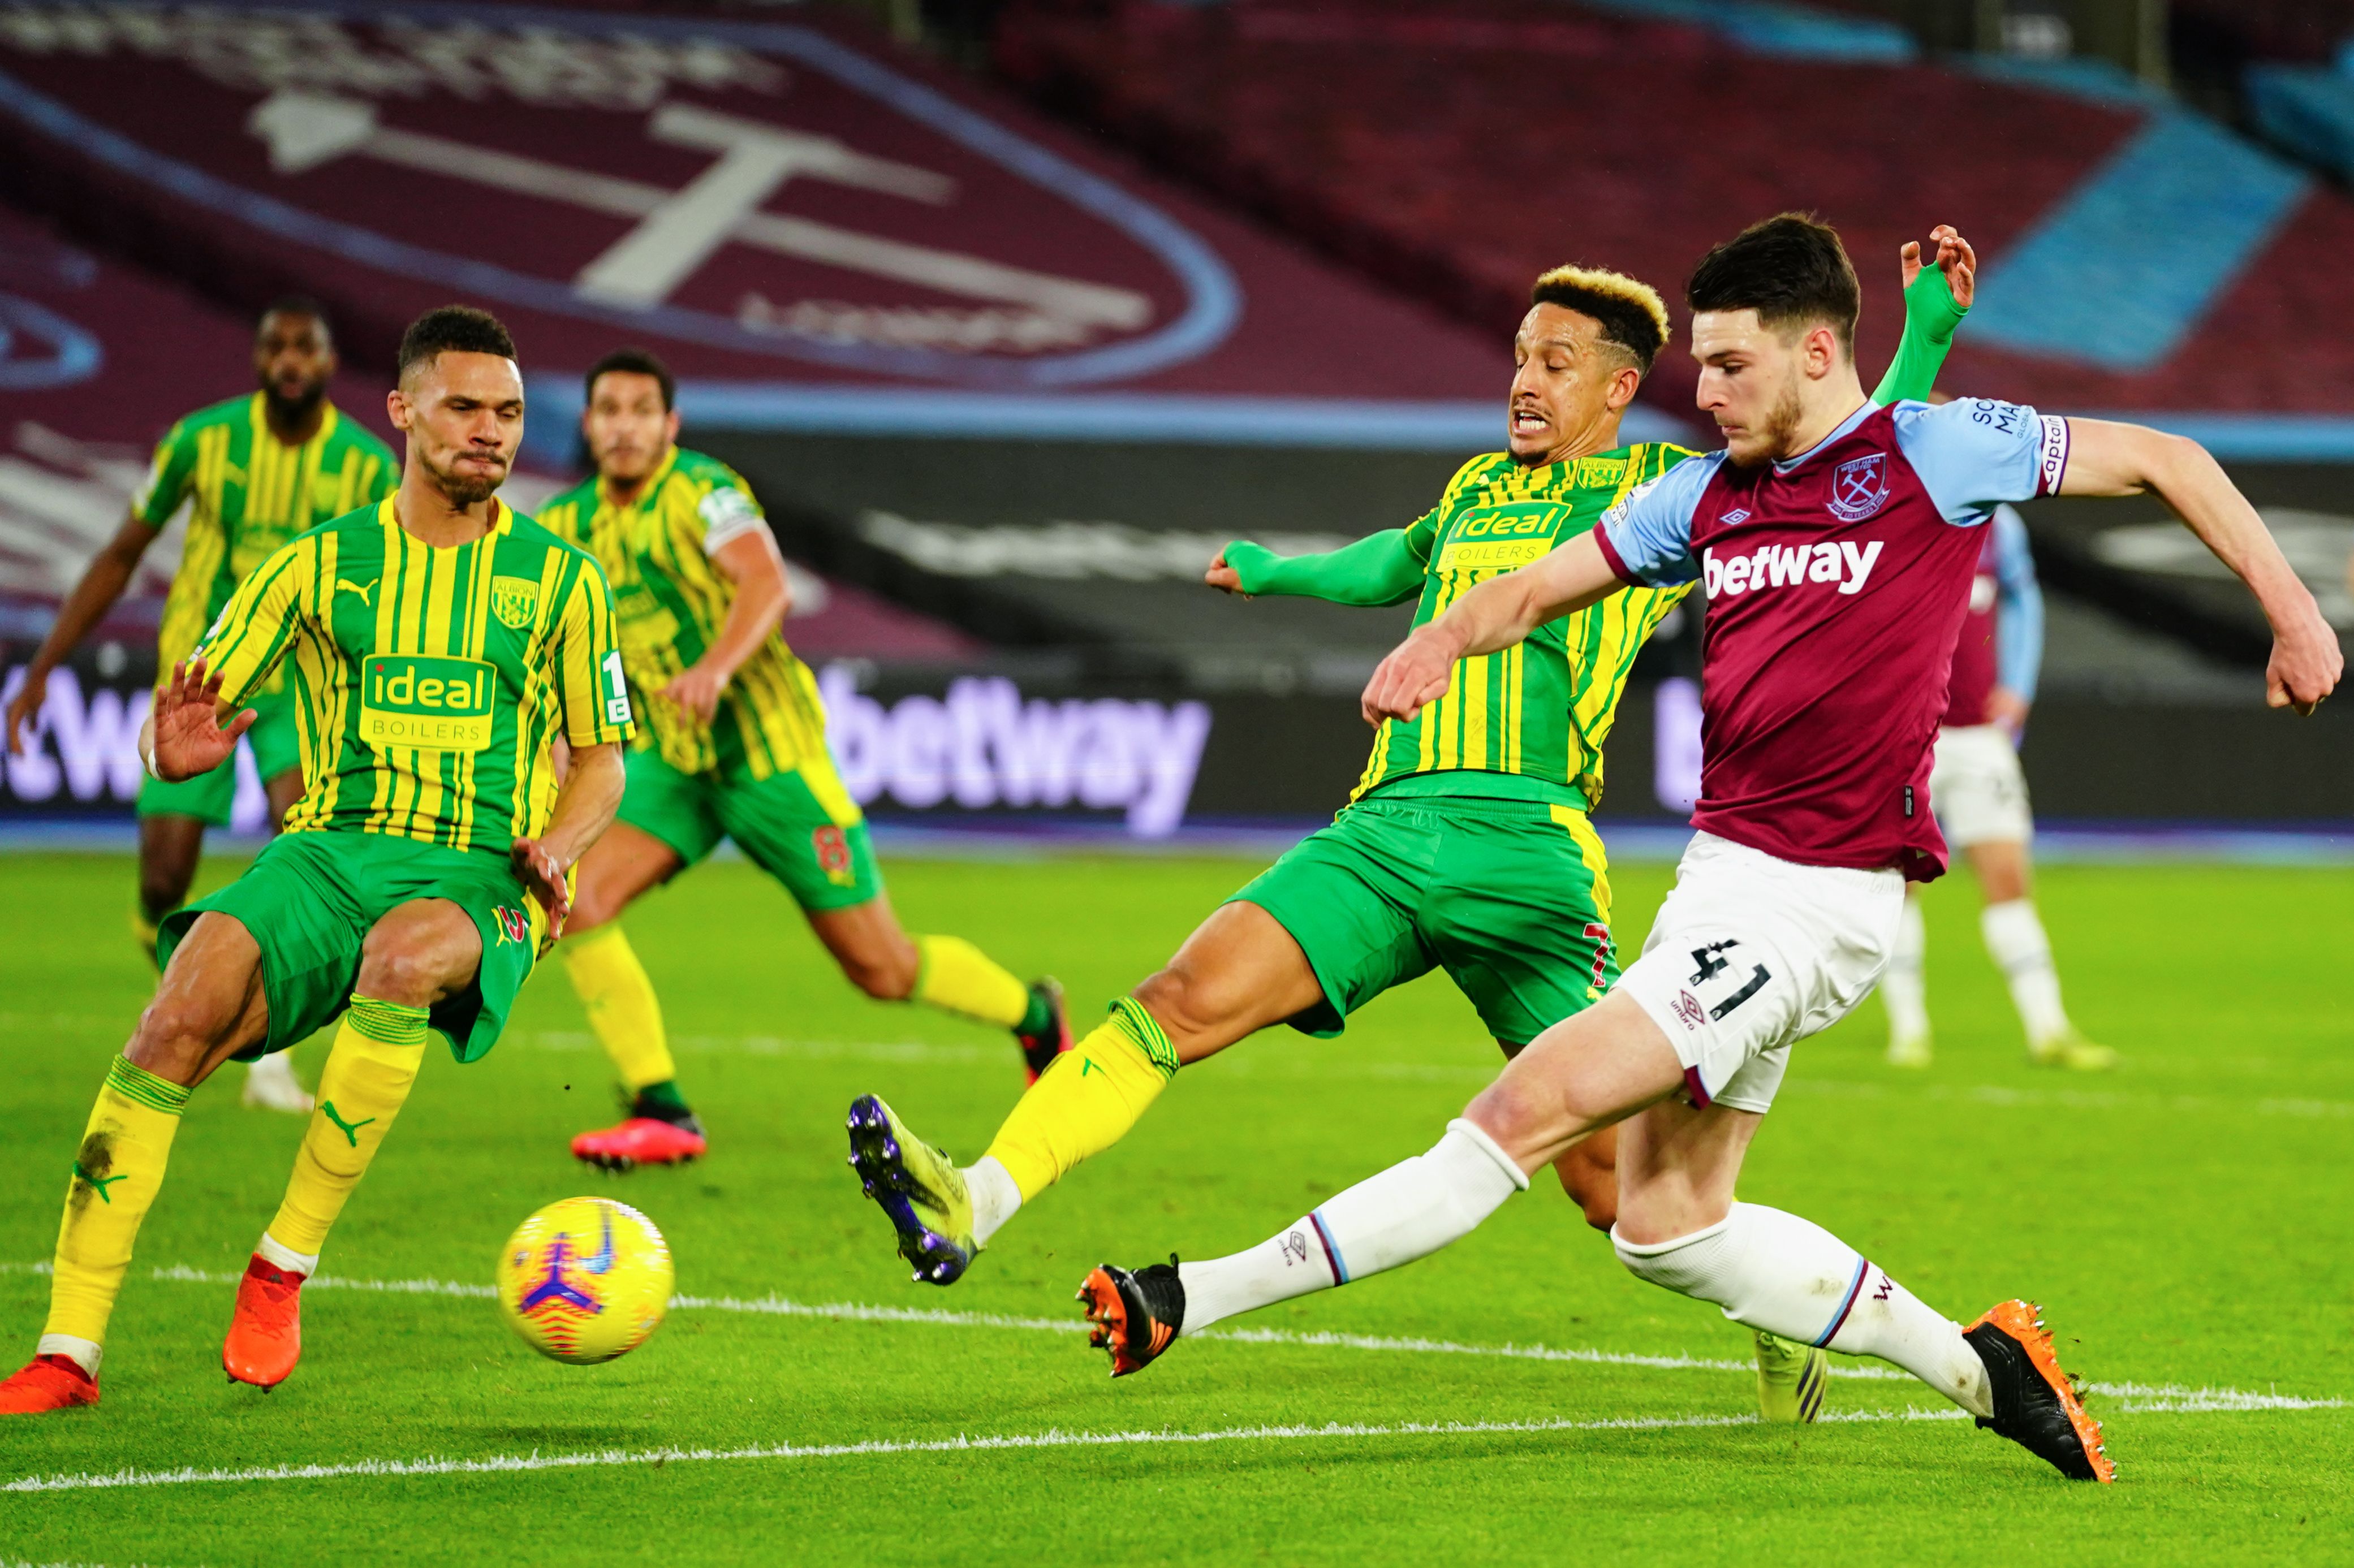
117	1170
622	1009
1087	1100
956	976
368	1075
143	931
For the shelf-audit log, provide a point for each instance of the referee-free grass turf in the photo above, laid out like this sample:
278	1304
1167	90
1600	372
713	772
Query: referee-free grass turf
2183	1221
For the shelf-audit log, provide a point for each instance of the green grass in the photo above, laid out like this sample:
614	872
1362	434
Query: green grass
2183	1221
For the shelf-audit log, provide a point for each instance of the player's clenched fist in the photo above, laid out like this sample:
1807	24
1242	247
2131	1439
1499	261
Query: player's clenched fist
2306	664
1415	673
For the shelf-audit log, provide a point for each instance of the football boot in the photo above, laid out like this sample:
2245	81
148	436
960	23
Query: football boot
1790	1379
1039	1050
265	1332
45	1383
2035	1404
1134	1316
917	1187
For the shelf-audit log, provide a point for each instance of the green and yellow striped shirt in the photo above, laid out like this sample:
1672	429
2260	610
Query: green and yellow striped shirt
1529	722
430	681
251	493
673	601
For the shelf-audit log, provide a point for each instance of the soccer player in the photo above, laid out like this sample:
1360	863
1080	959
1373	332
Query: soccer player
1466	843
257	470
1835	540
733	747
1979	795
437	643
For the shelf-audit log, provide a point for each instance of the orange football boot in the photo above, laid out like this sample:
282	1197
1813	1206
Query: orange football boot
2035	1404
1134	1316
265	1334
47	1383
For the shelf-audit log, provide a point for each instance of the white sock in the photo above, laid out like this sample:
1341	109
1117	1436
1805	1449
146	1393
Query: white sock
1903	990
1412	1208
84	1353
1790	1276
2014	938
278	1255
995	1196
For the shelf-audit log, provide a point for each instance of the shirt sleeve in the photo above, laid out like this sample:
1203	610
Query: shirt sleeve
1975	453
2018	620
257	624
728	513
1647	537
168	477
591	691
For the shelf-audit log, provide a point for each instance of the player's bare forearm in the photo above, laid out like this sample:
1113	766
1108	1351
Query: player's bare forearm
102	582
2106	458
762	596
585	804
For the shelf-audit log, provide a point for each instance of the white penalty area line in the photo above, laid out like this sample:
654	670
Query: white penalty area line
1053	1438
2134	1398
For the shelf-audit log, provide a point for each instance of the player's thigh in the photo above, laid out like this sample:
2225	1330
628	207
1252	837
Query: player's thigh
676	810
623	863
170	848
1582	1074
1237	973
1678	1167
1519	915
209	1005
1346	895
300	903
806	835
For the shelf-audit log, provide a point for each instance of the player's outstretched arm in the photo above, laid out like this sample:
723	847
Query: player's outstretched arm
1381	569
2105	458
1937	295
584	805
1495	615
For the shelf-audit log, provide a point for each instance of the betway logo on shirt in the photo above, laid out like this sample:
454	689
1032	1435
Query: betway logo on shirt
426	701
1788	566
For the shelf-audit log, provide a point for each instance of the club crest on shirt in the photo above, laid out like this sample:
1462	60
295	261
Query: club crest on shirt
515	600
1860	487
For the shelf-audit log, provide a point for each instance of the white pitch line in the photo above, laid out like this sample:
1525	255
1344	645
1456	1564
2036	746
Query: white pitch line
2135	1398
1052	1437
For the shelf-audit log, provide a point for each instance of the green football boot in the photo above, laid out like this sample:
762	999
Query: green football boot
918	1187
1790	1379
2072	1051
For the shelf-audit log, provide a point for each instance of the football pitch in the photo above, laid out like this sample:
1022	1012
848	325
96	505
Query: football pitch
1518	1398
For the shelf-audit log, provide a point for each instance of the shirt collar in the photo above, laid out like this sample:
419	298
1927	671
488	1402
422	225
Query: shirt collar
1845	426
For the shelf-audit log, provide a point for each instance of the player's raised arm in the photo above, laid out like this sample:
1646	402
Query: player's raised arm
1496	614
2105	458
1937	295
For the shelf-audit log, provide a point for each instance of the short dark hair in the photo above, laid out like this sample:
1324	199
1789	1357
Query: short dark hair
452	329
296	305
632	361
1631	313
1791	270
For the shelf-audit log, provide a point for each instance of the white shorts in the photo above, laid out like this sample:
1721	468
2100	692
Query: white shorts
1750	954
1977	789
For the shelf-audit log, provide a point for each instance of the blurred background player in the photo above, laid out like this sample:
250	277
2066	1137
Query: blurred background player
443	644
257	470
1979	795
1466	844
733	747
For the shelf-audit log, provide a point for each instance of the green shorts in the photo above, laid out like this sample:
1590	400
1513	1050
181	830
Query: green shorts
1511	897
309	900
208	795
799	826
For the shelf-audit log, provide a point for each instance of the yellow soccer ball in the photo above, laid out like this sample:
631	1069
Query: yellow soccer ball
585	1280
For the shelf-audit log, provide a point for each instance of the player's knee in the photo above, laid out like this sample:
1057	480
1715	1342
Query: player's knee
177	1035
1505	1112
887	974
416	959
1182	1003
163	888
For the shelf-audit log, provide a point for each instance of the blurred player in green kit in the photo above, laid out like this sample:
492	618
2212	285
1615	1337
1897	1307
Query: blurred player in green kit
253	471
